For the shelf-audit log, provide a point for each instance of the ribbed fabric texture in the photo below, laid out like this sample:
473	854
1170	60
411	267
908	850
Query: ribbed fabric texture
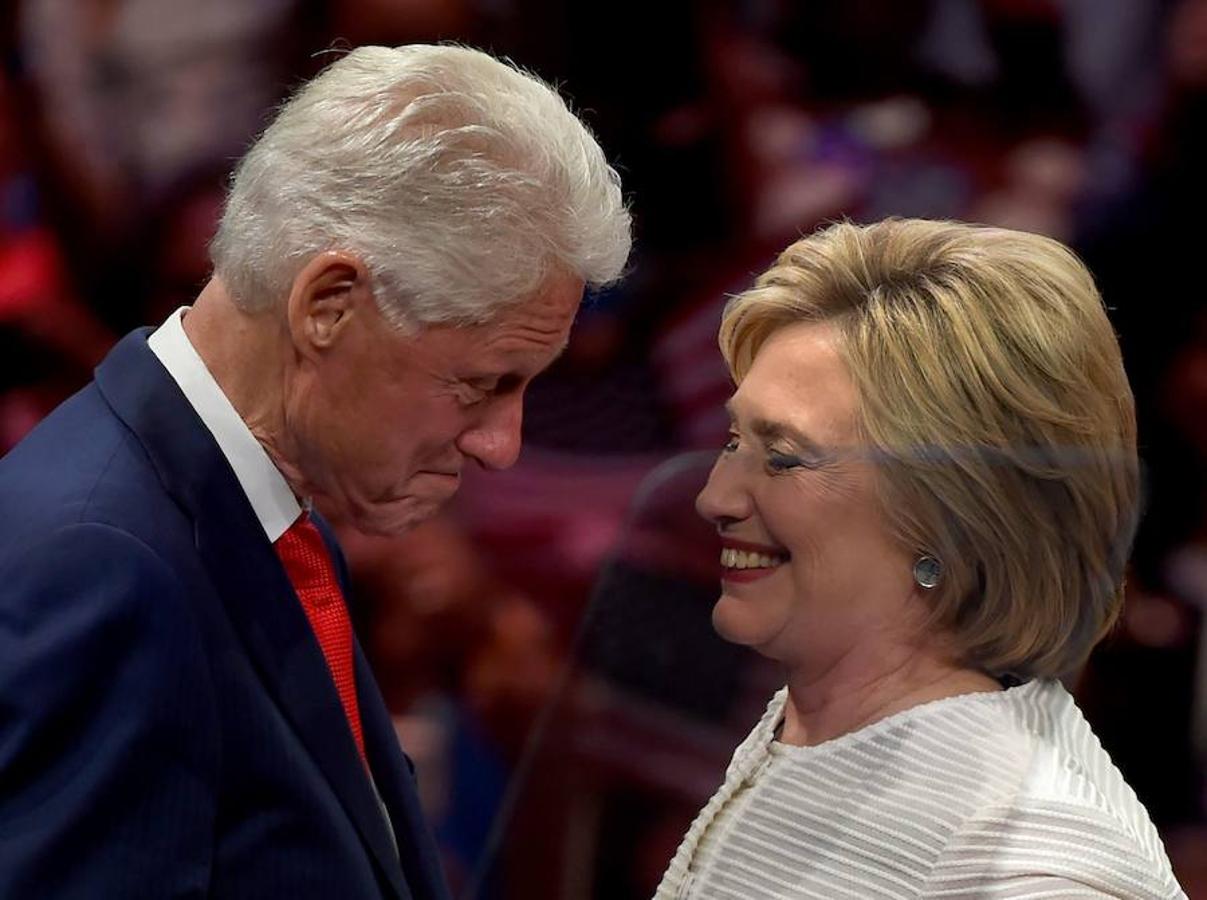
988	795
312	574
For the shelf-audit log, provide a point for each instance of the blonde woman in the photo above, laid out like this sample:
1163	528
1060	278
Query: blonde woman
926	503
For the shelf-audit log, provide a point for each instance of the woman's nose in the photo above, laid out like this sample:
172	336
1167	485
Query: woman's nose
724	498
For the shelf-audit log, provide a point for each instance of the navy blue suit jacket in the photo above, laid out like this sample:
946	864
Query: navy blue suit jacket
168	725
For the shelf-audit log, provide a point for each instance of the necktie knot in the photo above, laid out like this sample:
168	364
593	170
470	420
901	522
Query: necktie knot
304	554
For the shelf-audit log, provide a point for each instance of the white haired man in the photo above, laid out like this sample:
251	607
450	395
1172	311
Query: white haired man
184	709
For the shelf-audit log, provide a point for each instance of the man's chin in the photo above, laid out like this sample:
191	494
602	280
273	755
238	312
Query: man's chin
397	517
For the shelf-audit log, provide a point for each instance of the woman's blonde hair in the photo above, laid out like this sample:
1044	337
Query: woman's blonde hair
993	396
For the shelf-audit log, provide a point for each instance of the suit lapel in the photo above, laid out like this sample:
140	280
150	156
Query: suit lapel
392	773
250	579
416	849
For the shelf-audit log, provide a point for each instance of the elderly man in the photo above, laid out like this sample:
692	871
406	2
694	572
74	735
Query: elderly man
184	711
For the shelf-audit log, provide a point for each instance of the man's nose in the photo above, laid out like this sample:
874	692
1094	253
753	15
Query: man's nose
495	440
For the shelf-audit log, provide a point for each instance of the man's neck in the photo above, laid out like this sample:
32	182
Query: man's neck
866	685
247	354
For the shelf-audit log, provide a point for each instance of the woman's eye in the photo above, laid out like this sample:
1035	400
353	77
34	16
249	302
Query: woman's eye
781	462
731	443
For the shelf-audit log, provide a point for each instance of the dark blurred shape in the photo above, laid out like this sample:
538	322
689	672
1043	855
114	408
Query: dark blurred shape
1154	645
649	630
659	700
392	22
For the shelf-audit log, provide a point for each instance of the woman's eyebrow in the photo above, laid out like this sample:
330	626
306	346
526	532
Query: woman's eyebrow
768	429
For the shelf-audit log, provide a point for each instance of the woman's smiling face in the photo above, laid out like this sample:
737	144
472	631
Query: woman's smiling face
809	569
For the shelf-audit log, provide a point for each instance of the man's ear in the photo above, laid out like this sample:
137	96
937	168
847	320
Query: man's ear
328	292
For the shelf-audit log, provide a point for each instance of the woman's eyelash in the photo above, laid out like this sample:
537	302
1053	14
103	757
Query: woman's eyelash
777	461
781	462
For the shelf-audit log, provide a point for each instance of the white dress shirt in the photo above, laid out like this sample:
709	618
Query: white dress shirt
269	494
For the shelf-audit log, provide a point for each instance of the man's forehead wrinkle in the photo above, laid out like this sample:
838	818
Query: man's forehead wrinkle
520	336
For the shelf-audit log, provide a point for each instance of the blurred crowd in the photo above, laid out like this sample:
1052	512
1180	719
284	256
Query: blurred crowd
545	644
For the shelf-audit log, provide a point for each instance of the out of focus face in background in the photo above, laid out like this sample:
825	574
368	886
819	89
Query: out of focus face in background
808	568
385	422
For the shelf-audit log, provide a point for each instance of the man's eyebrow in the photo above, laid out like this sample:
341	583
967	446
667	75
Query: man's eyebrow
770	430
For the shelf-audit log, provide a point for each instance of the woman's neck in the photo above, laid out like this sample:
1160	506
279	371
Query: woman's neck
862	687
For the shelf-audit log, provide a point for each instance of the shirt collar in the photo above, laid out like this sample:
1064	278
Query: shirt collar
269	494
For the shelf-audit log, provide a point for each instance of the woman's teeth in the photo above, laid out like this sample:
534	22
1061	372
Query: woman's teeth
743	559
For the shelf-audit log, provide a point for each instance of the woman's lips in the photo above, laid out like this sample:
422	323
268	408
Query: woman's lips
741	576
745	561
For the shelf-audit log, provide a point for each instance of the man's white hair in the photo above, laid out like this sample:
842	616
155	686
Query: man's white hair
461	182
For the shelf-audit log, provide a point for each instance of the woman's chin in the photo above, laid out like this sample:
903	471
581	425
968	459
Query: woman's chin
737	623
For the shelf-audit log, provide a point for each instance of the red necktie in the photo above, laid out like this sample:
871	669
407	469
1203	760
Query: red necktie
309	567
